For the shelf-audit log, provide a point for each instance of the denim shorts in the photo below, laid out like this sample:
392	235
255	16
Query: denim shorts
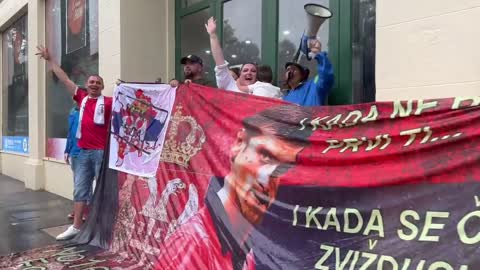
86	169
74	166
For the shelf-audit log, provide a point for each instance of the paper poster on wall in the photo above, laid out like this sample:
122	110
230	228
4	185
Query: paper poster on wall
76	24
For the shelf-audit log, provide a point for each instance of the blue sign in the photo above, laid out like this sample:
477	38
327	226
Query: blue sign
16	144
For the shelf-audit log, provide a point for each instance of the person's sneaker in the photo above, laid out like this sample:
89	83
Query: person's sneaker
71	215
68	234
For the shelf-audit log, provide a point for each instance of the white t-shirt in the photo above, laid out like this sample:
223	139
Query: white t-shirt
264	89
225	79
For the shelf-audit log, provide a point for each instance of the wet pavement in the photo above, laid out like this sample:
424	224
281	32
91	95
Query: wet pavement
26	217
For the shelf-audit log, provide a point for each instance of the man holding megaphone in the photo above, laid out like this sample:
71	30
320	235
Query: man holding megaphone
300	89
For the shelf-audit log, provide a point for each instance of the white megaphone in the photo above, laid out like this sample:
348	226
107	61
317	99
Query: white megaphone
316	16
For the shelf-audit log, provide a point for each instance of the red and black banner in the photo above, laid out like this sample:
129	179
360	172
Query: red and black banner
248	182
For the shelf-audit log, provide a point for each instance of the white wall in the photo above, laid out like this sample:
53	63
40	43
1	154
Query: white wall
59	179
13	165
427	48
9	12
109	42
147	40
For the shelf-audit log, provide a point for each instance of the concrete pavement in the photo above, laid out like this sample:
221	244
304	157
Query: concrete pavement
29	219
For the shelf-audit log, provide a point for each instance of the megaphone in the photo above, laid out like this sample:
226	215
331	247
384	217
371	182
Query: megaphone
316	16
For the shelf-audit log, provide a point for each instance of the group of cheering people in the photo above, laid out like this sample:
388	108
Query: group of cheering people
88	124
257	80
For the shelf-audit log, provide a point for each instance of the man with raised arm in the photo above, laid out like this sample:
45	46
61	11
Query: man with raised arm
92	132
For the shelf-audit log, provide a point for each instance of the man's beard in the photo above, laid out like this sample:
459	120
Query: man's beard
189	75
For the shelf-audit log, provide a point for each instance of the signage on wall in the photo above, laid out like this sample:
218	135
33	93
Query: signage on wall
76	21
17	144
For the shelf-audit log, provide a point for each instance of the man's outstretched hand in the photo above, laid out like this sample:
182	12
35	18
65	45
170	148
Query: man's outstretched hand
43	52
59	72
211	26
315	46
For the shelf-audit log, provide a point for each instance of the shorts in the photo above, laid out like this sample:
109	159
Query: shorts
87	168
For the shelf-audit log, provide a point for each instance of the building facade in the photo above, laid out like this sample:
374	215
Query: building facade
381	50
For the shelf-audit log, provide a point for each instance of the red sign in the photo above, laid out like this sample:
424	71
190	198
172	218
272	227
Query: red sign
76	15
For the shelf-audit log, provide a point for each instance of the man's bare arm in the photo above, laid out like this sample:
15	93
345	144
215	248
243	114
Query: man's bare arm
217	52
61	75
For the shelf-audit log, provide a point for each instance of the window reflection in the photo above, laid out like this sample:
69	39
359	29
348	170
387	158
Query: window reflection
72	40
242	31
195	39
15	79
363	50
292	23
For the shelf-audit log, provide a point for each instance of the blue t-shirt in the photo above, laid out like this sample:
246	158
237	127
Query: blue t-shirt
314	92
72	142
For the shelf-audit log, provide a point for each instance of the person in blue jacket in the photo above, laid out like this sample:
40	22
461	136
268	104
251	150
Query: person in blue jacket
71	149
312	92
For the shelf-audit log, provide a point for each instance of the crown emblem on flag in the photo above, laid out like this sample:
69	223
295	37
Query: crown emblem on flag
184	139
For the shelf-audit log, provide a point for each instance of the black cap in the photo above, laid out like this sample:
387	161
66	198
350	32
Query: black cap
305	71
192	58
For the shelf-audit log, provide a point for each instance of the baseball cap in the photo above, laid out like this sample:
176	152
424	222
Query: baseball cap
192	58
305	71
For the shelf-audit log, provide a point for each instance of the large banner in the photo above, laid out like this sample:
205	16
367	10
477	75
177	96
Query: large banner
248	182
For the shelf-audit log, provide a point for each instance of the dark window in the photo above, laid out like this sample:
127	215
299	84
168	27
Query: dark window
363	51
194	38
15	79
242	31
72	40
269	31
292	23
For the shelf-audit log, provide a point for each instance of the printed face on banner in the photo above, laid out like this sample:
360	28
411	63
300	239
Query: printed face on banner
254	160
